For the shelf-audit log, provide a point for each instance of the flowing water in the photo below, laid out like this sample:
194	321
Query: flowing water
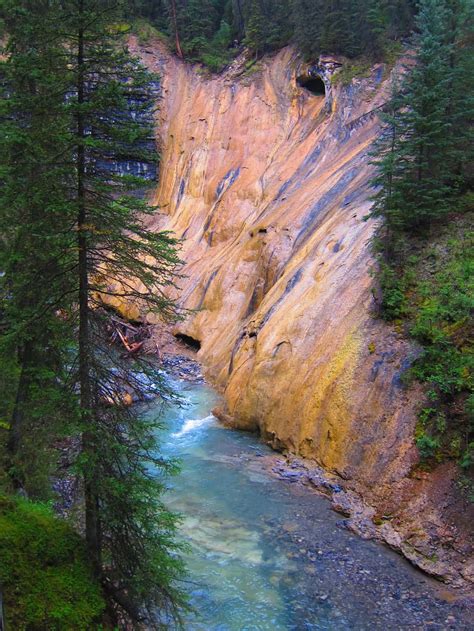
268	555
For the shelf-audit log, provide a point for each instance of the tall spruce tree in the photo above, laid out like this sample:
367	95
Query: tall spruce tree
72	227
306	18
423	180
255	28
414	161
36	257
460	88
200	23
129	532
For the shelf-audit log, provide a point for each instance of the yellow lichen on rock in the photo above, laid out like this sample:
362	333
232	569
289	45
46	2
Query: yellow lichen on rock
327	416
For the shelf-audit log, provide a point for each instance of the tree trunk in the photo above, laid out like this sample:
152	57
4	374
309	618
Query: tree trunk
85	385
18	414
175	24
2	617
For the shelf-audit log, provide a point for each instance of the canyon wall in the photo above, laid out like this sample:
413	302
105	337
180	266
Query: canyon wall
267	184
268	190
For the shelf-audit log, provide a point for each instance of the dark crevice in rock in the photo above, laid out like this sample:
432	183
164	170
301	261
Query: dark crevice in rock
189	341
315	85
206	287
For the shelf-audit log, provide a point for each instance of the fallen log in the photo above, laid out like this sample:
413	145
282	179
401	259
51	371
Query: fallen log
133	347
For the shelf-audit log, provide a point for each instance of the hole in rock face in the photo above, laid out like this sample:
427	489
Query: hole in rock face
315	85
189	341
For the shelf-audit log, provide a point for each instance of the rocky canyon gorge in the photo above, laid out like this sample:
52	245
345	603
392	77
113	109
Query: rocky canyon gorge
265	177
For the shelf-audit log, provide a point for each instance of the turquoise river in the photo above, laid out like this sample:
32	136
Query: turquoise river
268	555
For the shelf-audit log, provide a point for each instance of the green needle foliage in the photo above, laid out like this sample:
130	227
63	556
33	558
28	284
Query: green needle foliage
129	533
424	246
212	31
36	239
77	133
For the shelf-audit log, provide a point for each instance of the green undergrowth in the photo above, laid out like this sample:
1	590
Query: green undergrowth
46	579
361	67
430	296
214	54
146	32
358	68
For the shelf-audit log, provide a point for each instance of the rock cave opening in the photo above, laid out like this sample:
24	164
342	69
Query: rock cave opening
189	341
315	85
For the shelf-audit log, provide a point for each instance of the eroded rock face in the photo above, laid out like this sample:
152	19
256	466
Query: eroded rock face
269	190
268	186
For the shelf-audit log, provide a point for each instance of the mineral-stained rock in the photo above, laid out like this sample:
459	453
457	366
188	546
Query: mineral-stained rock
269	190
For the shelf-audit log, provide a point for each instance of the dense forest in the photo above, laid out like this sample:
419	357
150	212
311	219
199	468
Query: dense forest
76	106
212	31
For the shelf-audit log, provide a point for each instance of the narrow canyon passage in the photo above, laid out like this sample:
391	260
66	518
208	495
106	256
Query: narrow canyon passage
236	300
265	177
269	555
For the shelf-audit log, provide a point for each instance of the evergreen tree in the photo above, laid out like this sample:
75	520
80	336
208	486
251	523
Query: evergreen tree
153	10
72	229
222	38
200	23
347	27
279	27
389	166
460	92
255	28
35	226
306	18
421	177
238	21
415	160
129	533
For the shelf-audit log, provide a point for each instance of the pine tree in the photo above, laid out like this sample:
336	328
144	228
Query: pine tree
238	22
255	28
307	25
193	25
416	158
389	164
200	24
222	38
153	10
175	10
129	533
279	27
35	221
460	90
427	133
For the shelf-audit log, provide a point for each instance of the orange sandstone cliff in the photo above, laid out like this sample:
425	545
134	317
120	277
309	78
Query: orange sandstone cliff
267	185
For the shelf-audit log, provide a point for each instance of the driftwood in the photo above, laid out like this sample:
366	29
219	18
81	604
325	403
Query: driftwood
131	337
132	347
125	325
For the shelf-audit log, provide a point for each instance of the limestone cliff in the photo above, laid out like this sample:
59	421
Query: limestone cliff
267	185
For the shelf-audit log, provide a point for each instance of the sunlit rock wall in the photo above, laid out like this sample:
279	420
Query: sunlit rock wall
267	185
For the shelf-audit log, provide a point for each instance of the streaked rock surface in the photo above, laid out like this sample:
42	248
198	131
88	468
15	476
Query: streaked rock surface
267	186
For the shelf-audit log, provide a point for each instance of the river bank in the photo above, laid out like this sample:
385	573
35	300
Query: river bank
265	544
357	516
